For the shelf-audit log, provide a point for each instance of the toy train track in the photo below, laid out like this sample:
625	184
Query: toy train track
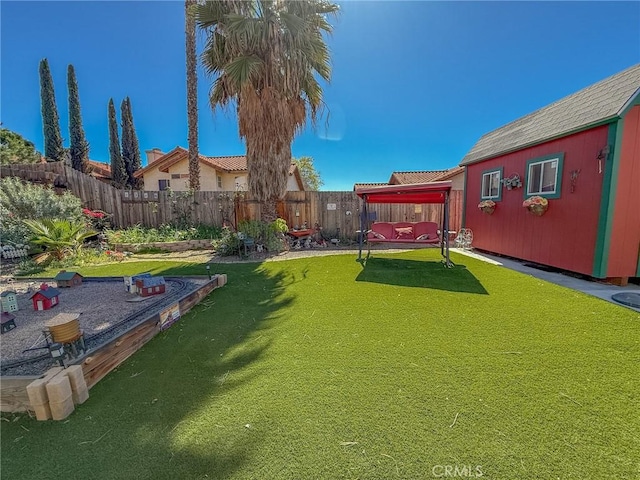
179	287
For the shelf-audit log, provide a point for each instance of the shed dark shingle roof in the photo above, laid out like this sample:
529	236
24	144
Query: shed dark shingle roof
597	103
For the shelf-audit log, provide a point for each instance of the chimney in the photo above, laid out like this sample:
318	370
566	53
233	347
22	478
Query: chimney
44	286
153	155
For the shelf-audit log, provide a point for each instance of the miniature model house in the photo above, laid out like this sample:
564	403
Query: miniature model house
7	322
45	298
68	279
9	301
130	282
150	286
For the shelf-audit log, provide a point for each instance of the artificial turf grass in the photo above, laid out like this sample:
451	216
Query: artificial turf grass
338	378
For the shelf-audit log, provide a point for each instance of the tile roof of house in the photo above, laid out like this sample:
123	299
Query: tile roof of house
99	169
235	163
425	176
7	293
602	101
356	186
452	172
405	178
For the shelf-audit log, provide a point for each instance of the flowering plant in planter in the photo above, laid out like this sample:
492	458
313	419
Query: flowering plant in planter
487	206
536	205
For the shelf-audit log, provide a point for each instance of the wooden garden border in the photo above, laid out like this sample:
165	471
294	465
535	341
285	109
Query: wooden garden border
100	361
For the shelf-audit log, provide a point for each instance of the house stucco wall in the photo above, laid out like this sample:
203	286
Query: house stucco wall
231	181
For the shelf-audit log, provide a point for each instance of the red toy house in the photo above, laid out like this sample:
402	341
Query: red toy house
45	298
150	286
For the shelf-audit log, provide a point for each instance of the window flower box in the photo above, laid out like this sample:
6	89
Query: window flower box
536	205
487	206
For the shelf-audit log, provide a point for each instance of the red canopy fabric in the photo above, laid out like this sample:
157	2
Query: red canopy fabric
434	192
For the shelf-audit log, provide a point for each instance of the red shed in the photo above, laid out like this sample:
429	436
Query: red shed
45	298
581	155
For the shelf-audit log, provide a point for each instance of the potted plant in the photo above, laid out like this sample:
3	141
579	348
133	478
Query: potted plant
487	206
536	205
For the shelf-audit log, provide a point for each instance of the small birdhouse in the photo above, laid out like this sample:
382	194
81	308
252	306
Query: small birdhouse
9	301
66	279
45	298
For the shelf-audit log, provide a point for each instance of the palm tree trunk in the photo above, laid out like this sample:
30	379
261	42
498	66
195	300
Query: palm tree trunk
267	177
192	95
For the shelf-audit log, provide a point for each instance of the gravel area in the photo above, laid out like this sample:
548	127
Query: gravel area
106	311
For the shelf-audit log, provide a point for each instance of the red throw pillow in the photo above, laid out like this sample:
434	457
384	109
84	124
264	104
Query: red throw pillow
403	233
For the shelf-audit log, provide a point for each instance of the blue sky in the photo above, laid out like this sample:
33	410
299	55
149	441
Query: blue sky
415	84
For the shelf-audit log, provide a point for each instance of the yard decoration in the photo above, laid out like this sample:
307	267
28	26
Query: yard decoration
536	205
130	282
148	286
487	206
8	301
7	323
45	298
68	279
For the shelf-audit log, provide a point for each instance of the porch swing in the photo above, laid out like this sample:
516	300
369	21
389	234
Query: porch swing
405	232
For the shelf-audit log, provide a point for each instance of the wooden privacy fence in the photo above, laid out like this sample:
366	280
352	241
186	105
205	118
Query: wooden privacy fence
336	212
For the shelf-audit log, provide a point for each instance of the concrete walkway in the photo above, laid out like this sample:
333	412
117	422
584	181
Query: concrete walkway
600	290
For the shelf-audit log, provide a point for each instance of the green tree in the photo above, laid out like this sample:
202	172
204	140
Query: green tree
264	56
78	145
118	170
14	148
310	176
192	94
130	146
53	148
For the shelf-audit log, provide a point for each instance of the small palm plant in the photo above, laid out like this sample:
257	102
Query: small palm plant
59	238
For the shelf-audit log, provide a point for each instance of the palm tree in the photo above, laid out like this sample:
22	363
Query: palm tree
192	94
58	237
264	55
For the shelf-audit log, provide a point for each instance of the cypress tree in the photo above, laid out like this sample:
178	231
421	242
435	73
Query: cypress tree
53	148
118	171
78	145
130	147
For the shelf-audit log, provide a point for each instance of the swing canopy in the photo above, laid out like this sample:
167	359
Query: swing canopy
434	192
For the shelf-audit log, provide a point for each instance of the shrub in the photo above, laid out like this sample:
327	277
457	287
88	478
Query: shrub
59	238
270	235
21	201
164	233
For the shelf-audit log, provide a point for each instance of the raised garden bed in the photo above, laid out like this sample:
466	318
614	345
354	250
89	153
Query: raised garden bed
114	328
179	246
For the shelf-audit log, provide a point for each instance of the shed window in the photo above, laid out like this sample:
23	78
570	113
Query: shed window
219	181
491	184
544	176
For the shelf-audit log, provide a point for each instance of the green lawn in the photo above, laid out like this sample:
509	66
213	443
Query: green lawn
319	369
